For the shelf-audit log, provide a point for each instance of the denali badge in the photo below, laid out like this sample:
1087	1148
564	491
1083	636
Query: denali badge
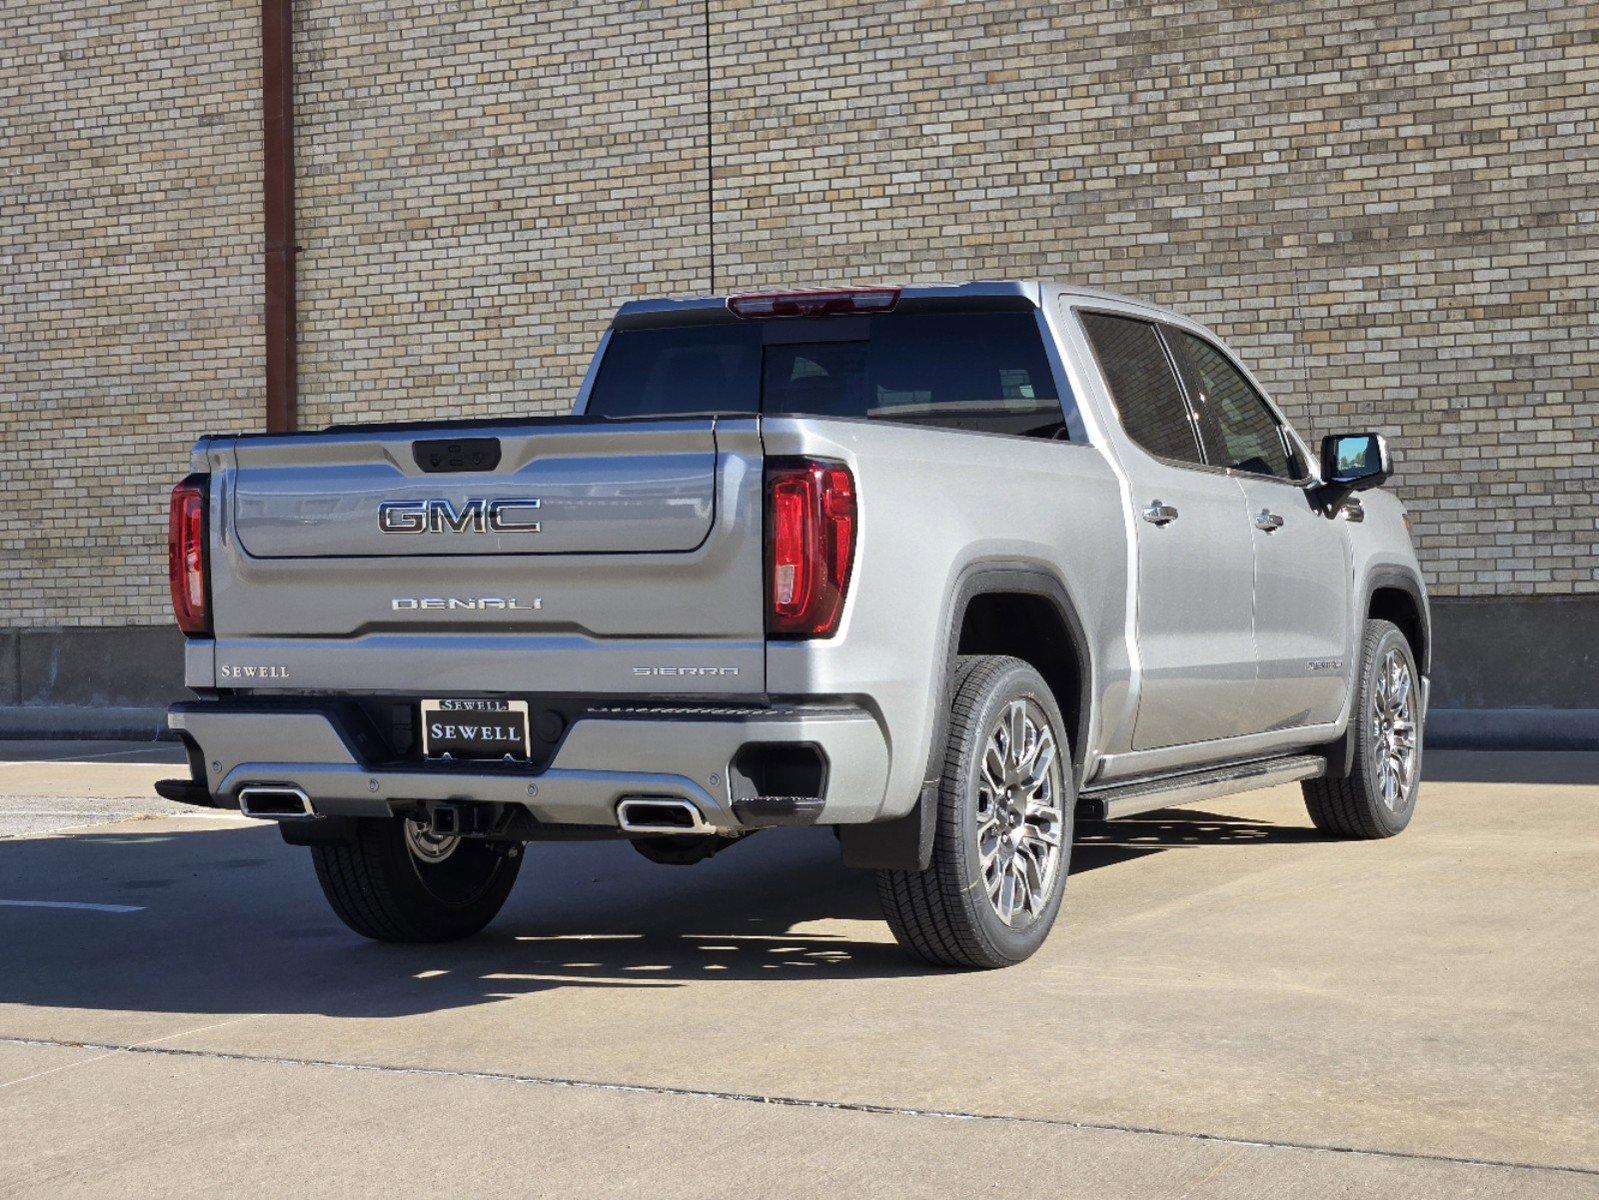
470	603
474	516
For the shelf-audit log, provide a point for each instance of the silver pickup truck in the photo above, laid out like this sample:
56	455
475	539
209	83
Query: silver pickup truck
946	568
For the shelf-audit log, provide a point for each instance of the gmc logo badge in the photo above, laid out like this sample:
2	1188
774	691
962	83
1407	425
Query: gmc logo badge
474	516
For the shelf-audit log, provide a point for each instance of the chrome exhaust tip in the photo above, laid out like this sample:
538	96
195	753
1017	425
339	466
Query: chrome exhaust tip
274	802
660	814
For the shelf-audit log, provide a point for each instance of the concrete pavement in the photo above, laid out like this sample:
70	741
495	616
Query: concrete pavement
52	785
1232	1006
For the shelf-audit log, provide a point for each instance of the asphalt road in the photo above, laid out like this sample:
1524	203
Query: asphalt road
1232	1006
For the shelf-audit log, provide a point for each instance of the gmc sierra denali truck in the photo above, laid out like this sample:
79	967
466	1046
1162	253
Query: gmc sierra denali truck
946	568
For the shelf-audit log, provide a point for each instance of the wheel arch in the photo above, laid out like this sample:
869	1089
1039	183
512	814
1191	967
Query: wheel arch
1027	613
1021	608
1396	594
1393	594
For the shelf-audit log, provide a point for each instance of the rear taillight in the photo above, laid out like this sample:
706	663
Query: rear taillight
814	302
186	556
810	545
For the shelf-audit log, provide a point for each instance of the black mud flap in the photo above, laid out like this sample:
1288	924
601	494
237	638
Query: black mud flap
320	831
192	790
185	791
903	844
1340	755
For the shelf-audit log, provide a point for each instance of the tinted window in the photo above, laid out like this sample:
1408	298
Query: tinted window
981	371
1237	428
1147	394
689	369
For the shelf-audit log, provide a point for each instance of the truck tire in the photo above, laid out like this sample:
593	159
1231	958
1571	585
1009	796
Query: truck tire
1378	797
394	882
1003	838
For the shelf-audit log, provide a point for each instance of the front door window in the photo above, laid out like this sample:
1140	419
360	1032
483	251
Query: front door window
1236	426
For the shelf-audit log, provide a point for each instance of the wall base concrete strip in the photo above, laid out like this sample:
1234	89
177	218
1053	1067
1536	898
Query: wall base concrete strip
140	724
1514	652
1513	728
1509	672
1491	653
10	666
1447	728
92	666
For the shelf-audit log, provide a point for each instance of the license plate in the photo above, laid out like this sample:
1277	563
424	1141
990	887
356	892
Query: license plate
494	729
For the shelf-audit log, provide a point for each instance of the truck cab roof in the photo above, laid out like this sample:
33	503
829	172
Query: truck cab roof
977	295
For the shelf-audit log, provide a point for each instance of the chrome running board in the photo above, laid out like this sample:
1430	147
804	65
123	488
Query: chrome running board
1129	799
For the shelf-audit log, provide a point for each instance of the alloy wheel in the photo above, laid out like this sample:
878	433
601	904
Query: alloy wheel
1019	816
1393	730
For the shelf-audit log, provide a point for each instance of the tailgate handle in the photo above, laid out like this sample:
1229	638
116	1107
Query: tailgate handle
444	455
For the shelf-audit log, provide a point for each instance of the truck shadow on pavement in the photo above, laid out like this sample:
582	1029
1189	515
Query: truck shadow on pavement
231	920
1175	827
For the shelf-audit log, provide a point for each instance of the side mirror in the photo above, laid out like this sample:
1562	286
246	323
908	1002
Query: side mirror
1352	462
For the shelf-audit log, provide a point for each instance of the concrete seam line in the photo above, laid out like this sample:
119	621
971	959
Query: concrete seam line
891	1110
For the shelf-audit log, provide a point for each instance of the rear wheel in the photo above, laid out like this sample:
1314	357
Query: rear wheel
1378	797
395	881
1003	839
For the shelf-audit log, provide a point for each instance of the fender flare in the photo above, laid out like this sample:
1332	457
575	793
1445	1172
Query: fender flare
906	843
1406	580
1341	753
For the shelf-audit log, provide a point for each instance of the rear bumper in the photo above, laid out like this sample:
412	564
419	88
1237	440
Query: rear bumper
605	757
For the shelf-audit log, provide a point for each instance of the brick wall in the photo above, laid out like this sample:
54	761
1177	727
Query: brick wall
479	183
1388	209
129	287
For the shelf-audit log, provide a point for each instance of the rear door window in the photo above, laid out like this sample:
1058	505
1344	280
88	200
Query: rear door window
1148	397
988	372
1237	427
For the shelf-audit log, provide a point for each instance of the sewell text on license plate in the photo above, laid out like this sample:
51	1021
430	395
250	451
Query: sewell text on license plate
494	729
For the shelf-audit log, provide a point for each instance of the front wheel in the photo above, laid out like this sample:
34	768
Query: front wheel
1003	839
395	881
1378	797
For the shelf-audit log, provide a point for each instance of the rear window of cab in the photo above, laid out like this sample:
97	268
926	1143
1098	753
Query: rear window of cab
987	372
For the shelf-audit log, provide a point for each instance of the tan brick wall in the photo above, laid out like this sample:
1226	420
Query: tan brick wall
129	287
480	184
1389	210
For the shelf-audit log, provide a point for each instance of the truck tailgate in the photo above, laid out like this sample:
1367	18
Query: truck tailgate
551	556
597	489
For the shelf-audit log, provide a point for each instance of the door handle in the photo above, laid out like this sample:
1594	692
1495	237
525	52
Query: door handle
1160	514
1267	521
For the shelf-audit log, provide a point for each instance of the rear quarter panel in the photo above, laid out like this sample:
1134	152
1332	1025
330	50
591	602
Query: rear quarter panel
934	503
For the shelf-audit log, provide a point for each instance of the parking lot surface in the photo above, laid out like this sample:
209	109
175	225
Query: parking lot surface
1231	1006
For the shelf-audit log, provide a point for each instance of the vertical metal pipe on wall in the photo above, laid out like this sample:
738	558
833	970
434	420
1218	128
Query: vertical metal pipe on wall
277	95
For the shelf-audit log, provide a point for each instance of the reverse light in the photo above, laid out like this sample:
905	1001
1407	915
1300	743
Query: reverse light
186	556
813	302
810	545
